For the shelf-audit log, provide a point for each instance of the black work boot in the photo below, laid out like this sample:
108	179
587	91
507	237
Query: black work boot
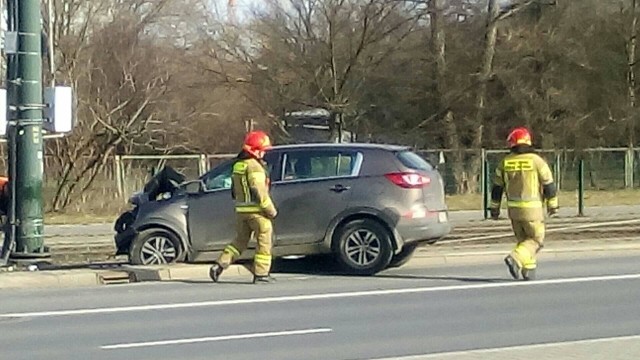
514	268
529	274
215	271
263	279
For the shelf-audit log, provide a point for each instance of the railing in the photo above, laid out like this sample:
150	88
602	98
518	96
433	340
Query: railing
605	168
463	172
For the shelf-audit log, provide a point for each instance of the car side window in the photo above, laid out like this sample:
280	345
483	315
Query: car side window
271	158
301	165
219	178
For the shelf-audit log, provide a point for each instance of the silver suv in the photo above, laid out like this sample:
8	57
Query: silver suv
369	205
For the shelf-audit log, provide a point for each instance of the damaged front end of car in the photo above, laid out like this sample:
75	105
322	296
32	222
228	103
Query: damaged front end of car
164	185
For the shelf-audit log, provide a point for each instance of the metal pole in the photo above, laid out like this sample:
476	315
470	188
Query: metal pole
117	167
581	188
26	117
10	228
628	168
557	171
486	180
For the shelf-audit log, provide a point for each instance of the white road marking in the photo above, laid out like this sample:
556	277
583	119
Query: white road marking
455	354
325	296
216	338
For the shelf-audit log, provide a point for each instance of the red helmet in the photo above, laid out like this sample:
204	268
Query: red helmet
519	136
256	143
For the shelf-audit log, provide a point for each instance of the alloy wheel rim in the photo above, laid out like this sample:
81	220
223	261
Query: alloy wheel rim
158	250
363	247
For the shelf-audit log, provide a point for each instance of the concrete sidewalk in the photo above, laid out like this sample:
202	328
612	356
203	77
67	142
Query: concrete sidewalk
105	274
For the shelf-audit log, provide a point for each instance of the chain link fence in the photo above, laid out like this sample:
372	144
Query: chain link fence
604	169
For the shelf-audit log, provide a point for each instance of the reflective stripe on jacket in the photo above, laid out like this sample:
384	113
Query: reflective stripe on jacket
523	175
250	188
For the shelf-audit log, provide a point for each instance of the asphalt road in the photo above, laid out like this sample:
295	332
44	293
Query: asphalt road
605	212
465	312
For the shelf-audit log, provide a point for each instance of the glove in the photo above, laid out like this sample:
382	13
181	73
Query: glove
272	214
552	211
495	213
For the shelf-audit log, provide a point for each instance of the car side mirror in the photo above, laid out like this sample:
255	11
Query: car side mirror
194	187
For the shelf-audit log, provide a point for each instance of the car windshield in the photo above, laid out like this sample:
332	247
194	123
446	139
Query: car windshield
413	161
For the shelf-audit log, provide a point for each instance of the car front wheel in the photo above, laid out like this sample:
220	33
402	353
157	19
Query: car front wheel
154	247
363	247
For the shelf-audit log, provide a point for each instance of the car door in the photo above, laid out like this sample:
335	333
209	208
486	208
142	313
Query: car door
313	188
211	214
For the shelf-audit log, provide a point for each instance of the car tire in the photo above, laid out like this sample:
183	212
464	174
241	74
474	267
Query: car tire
155	246
363	247
403	256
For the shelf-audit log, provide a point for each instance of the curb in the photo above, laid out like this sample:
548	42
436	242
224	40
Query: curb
496	254
425	257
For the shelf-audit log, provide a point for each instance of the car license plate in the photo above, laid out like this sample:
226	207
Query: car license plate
442	217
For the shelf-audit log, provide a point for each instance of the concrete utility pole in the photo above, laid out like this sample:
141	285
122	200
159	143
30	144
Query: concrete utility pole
25	121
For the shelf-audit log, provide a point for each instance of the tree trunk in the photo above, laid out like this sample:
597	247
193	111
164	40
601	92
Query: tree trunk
438	43
631	75
486	71
451	139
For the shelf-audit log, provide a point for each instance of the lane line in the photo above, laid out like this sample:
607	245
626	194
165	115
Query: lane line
342	295
216	338
513	348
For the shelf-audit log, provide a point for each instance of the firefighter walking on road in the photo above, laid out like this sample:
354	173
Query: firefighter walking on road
254	209
527	181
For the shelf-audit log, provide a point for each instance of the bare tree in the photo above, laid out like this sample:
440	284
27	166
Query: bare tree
319	54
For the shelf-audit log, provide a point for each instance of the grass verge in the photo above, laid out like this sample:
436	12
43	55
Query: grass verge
455	202
566	199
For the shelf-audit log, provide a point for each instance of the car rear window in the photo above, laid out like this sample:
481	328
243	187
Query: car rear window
413	161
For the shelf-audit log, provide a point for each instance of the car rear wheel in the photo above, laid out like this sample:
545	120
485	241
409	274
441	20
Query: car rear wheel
363	247
154	247
403	256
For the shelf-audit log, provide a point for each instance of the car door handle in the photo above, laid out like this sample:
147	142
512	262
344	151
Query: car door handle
339	188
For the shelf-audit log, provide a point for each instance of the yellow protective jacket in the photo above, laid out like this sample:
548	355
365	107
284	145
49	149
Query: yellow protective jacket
250	187
527	181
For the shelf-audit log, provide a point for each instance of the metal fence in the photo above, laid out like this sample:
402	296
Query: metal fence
605	169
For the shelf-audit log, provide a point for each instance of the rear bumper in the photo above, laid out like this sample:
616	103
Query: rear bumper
428	229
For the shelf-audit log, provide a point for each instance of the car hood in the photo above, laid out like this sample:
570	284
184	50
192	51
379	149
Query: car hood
167	182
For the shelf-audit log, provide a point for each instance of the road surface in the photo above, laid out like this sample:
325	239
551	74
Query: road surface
581	309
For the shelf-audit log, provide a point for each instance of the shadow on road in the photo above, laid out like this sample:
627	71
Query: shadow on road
312	265
326	266
221	282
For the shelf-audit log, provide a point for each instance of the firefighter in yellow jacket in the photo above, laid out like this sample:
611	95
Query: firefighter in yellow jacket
527	181
254	209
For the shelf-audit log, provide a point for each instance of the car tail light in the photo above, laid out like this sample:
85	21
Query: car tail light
418	212
409	180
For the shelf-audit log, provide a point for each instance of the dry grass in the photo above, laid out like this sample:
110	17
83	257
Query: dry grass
107	211
78	218
567	199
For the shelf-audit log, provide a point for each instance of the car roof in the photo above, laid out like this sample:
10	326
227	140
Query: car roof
345	146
